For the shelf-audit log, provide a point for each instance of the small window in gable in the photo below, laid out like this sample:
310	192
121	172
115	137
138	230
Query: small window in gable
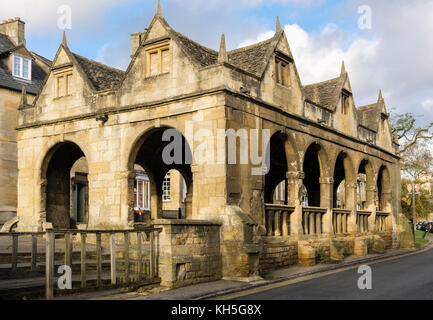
282	71
64	84
345	103
22	67
158	59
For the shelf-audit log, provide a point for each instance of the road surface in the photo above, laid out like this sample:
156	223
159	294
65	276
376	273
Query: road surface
406	278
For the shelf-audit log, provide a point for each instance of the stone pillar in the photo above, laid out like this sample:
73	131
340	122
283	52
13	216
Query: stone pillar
294	196
371	206
351	205
326	201
195	205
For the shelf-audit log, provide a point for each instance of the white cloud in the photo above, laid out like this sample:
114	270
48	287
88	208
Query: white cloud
41	16
319	56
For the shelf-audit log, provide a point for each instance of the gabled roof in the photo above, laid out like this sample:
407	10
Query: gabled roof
326	93
10	82
101	76
254	58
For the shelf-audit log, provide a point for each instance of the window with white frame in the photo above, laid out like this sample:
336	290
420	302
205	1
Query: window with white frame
142	193
166	192
279	192
22	67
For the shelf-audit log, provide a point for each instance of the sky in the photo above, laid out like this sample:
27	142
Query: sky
386	44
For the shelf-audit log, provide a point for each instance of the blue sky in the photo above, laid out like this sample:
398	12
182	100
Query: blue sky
393	55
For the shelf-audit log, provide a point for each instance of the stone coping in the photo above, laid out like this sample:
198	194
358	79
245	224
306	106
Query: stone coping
181	222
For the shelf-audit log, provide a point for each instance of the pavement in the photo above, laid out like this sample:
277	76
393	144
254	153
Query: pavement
225	289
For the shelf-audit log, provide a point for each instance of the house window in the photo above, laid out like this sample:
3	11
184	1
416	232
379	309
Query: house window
64	85
142	193
282	72
22	67
279	192
166	192
158	60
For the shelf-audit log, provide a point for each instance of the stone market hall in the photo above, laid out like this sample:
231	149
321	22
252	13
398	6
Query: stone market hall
332	188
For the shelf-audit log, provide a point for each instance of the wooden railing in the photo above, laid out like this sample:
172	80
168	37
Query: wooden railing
340	218
381	221
312	220
362	221
16	256
137	259
278	219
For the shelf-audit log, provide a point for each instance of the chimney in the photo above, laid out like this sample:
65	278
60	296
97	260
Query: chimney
14	29
136	40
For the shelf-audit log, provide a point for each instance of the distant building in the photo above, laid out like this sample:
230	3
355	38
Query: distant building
19	68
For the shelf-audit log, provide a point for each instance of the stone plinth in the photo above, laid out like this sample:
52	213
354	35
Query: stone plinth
189	252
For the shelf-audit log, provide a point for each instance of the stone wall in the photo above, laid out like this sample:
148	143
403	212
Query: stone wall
278	253
9	101
189	252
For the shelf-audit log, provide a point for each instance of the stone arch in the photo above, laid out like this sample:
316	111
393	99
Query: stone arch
315	167
344	179
278	165
366	171
55	174
384	189
147	151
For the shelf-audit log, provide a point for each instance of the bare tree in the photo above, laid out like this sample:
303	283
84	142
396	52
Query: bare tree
409	134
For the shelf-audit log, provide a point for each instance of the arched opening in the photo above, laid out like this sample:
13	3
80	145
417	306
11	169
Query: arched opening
312	173
174	192
66	192
343	175
163	178
383	190
339	189
365	198
275	179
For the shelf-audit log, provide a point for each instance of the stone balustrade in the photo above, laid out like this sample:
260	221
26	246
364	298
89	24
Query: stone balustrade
340	218
312	220
278	219
362	221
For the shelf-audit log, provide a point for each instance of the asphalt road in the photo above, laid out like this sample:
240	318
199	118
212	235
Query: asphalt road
407	278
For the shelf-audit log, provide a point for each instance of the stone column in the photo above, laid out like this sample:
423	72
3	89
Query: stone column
371	206
351	205
326	201
293	195
195	201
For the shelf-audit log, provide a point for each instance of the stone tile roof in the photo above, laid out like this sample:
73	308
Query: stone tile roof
254	58
5	43
325	94
368	116
45	60
202	55
101	76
